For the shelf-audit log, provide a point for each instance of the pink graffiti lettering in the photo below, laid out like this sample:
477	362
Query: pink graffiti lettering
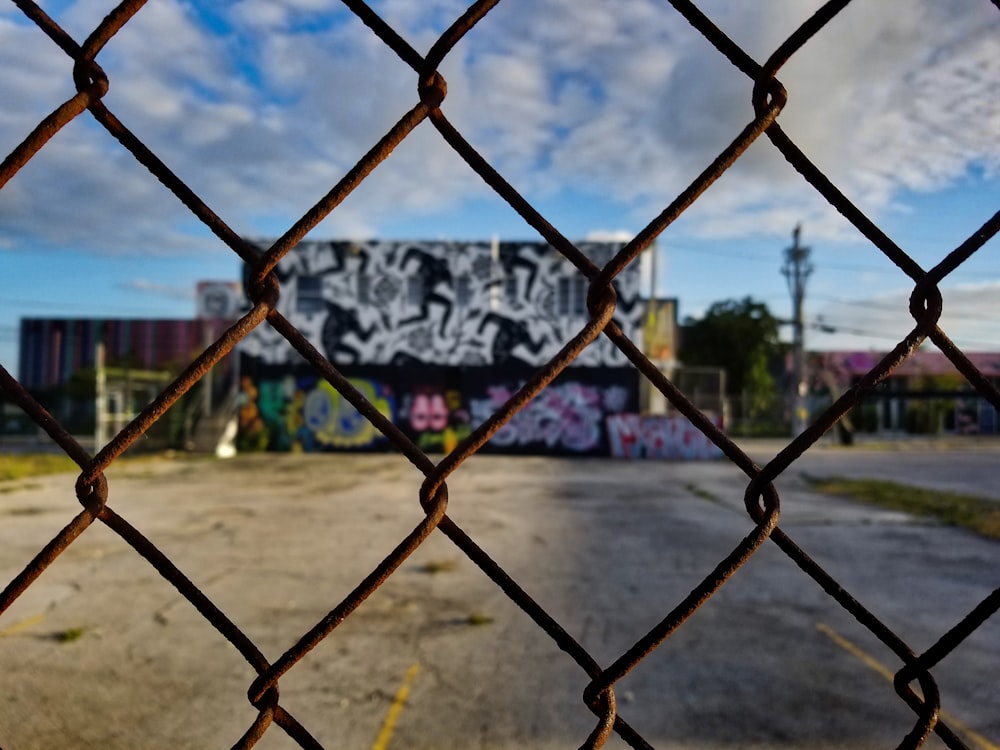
428	412
566	415
437	416
658	436
420	412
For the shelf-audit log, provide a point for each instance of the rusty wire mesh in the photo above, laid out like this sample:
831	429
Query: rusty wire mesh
761	499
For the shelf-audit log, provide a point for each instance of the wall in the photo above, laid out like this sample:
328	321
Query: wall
287	407
660	330
441	303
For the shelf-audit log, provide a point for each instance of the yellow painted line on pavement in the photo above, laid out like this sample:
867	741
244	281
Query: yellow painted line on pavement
389	725
856	652
872	663
22	625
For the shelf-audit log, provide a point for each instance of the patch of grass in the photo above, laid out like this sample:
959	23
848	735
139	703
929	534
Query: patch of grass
22	465
702	493
439	566
68	635
478	619
978	514
19	487
145	474
22	511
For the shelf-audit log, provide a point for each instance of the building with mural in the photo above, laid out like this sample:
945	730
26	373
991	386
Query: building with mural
58	357
438	335
442	303
925	394
53	350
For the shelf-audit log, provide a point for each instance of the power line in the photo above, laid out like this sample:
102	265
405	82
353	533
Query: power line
895	308
61	305
833	265
763	259
824	327
833	329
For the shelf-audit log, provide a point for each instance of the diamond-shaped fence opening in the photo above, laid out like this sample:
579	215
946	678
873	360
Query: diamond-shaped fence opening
435	535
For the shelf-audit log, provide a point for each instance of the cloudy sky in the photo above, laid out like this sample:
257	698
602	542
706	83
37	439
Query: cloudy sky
599	112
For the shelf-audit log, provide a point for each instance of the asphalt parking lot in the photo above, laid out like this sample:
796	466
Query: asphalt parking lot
101	652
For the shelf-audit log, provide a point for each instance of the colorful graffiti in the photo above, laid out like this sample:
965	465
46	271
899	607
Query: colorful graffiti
567	416
307	414
252	433
436	419
658	436
333	420
289	408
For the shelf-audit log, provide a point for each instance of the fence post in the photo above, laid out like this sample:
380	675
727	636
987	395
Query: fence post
100	398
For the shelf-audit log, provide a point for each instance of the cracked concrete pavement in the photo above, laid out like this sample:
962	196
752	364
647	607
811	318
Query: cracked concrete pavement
102	653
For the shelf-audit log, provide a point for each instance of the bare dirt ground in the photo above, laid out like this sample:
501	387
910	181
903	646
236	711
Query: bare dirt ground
101	652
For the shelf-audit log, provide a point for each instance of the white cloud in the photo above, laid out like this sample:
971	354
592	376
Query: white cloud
909	104
622	101
610	235
161	290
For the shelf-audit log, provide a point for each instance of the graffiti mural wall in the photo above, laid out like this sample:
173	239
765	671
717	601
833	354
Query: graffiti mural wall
456	304
289	408
438	335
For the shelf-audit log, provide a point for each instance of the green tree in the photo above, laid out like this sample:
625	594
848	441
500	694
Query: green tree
740	336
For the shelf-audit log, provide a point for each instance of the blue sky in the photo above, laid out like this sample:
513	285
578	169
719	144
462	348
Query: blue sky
600	113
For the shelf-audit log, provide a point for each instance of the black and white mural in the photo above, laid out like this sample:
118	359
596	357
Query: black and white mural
441	303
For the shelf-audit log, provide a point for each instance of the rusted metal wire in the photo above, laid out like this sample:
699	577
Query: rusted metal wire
768	98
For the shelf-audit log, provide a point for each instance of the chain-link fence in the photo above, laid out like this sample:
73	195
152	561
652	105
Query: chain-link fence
914	681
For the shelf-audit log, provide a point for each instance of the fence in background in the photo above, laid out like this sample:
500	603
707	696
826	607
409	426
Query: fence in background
762	502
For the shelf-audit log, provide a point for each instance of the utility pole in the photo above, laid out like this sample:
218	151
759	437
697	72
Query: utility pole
796	270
